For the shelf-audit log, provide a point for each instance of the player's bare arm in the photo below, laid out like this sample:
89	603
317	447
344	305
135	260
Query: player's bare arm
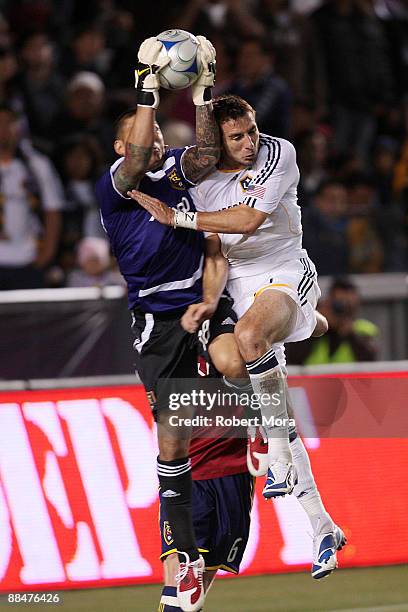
136	140
133	167
199	160
214	280
238	220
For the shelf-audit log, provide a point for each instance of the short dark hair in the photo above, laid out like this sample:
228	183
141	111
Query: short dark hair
228	107
342	282
329	182
127	114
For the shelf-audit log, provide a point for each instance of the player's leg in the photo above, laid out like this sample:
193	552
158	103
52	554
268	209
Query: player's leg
327	536
224	353
166	354
168	599
266	323
322	325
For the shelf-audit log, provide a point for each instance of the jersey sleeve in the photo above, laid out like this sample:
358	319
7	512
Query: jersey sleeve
109	197
274	176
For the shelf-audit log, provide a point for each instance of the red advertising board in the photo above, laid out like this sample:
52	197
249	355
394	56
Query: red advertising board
78	489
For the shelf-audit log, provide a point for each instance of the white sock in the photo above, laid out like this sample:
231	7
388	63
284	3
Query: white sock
268	379
306	490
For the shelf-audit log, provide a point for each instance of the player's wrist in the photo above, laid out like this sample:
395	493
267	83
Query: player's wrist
188	220
147	85
202	96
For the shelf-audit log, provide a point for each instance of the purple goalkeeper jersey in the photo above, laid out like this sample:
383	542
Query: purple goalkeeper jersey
162	266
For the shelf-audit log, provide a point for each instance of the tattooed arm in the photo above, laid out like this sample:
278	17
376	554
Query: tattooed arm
199	160
134	140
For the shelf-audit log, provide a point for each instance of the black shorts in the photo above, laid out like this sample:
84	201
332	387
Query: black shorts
163	351
221	509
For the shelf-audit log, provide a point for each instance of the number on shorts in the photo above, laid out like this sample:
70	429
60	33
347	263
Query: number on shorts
234	550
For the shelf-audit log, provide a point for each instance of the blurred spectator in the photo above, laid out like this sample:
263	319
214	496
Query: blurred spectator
349	339
79	163
94	265
257	83
9	93
42	87
364	237
6	37
177	134
87	52
325	229
312	158
84	111
290	34
31	199
356	70
227	18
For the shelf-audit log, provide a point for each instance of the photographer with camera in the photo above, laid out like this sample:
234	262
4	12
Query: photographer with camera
348	339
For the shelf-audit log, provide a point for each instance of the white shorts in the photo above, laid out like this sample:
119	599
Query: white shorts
298	279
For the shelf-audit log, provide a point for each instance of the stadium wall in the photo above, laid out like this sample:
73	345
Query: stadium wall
78	489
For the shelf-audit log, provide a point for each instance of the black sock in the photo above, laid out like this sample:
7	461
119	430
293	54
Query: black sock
176	485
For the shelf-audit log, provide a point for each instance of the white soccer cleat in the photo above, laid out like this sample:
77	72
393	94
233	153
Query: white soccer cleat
280	480
325	547
190	587
257	452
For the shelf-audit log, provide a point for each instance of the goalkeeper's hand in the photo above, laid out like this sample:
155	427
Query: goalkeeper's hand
201	89
151	61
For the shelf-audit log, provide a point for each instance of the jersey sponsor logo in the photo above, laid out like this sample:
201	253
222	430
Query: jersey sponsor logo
256	191
244	182
175	180
167	534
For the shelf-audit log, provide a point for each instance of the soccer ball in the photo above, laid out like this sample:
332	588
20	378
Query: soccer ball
184	67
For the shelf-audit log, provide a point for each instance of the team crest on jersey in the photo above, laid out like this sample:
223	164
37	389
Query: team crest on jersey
245	182
175	180
167	534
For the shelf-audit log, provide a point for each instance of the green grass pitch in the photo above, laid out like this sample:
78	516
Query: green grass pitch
381	589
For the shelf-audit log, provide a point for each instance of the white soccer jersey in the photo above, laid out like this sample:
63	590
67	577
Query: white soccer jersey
269	185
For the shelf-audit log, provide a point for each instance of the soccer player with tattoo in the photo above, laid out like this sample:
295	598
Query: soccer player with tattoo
163	270
248	209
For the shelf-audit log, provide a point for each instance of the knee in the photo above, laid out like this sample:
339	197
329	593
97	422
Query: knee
322	325
250	341
231	366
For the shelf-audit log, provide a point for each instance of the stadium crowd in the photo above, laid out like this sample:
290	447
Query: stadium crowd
330	76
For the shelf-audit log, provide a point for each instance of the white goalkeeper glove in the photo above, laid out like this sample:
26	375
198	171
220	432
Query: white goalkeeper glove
201	89
151	60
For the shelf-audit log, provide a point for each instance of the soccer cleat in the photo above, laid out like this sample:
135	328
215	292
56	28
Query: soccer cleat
325	547
280	480
257	452
190	588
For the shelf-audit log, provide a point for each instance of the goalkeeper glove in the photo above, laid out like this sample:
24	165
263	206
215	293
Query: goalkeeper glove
151	61
201	88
